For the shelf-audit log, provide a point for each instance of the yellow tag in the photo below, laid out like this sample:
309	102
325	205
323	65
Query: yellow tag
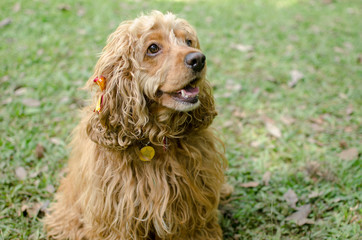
147	153
98	107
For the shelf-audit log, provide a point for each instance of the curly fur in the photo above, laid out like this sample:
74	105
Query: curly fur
109	193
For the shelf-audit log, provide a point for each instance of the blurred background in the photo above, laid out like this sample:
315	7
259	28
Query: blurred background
287	77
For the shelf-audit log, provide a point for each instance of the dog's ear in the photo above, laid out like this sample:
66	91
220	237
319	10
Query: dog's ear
123	112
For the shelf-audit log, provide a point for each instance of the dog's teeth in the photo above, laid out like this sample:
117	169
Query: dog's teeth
183	93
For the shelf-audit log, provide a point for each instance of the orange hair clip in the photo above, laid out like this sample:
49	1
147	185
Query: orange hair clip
101	82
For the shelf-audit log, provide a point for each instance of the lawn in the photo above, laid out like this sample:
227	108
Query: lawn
287	78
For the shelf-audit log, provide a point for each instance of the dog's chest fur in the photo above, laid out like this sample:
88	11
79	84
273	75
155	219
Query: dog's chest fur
150	196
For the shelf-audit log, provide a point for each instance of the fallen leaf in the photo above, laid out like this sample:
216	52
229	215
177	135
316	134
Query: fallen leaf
237	236
359	59
29	102
348	129
249	184
312	140
239	114
81	12
21	173
349	110
316	171
20	91
7	101
349	154
287	120
316	127
50	188
343	144
291	198
314	194
16	7
301	215
339	50
266	178
353	219
40	52
354	208
255	144
5	78
228	124
327	1
5	22
39	151
44	169
64	7
295	76
243	48
273	130
56	141
318	120
34	209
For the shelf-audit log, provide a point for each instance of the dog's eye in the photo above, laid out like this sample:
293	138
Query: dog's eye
153	49
188	42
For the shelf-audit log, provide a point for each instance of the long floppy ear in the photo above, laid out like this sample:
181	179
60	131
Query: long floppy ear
123	113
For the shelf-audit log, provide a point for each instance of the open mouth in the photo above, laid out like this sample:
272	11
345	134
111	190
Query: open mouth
188	94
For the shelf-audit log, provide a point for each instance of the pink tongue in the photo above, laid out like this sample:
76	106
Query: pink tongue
190	92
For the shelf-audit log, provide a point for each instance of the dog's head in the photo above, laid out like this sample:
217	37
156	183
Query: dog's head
156	86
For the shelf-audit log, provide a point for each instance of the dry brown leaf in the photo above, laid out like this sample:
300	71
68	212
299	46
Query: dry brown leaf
295	76
29	102
266	178
39	151
56	141
349	110
318	120
273	130
291	198
34	209
316	171
16	7
287	120
243	48
228	124
359	59
21	173
5	22
81	12
20	91
255	144
314	194
249	184
348	129
50	188
317	127
64	7
343	144
239	114
5	78
301	216
349	154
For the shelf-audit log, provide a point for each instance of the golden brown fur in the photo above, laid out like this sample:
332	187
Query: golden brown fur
109	193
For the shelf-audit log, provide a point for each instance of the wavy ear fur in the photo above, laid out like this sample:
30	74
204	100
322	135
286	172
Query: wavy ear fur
124	111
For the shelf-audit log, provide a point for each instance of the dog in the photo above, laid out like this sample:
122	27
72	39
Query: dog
144	163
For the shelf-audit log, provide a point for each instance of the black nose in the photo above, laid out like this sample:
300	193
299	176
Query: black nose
195	61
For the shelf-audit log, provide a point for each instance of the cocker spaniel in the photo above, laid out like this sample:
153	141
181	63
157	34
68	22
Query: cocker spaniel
144	164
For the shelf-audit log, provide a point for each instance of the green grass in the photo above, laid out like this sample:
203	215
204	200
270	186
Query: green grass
47	54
